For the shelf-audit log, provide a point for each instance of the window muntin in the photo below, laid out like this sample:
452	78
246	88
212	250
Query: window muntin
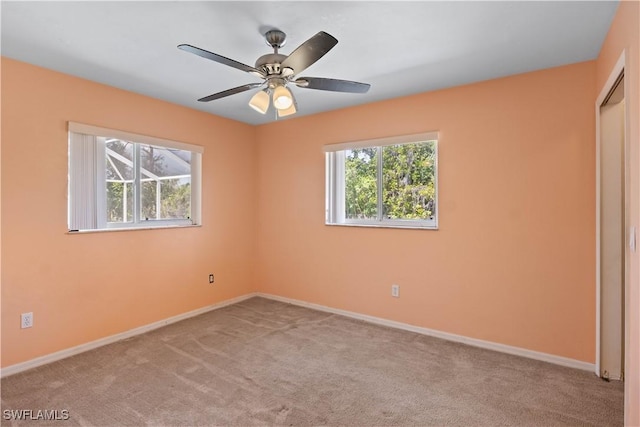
133	182
390	182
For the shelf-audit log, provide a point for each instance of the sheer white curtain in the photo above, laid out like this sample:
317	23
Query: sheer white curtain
86	182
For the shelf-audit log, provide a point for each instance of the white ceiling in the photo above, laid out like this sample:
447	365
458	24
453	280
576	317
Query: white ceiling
400	48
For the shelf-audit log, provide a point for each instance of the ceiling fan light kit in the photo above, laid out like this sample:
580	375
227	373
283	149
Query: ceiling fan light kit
289	110
260	101
278	70
282	98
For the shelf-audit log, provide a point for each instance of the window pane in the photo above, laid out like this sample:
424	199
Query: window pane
176	198
148	199
409	181
166	183
119	157
164	162
119	175
119	201
361	190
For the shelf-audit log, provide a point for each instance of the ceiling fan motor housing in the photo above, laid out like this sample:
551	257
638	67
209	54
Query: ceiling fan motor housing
270	63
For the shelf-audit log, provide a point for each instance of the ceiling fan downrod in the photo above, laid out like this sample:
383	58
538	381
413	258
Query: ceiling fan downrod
269	64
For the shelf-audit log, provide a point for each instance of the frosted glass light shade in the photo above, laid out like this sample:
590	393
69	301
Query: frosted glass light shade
260	102
288	111
282	98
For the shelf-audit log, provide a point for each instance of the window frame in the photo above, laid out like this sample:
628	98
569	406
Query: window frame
335	183
101	135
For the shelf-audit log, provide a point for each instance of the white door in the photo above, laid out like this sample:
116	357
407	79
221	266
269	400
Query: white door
612	234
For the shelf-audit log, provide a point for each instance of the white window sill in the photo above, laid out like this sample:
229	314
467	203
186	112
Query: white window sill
108	230
385	225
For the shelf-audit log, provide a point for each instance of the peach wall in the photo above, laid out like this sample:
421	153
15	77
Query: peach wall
624	35
513	260
86	286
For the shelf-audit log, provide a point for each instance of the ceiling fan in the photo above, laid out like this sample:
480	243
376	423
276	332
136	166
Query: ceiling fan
278	70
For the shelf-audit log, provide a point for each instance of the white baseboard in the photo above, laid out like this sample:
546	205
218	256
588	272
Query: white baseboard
49	358
63	354
517	351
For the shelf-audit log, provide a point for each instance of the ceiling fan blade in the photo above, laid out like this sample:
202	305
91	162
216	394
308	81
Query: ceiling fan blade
333	85
220	59
309	52
229	92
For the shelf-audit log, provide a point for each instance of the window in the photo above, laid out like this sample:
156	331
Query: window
123	180
389	182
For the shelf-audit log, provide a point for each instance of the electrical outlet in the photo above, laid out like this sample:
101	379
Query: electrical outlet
211	278
26	320
395	291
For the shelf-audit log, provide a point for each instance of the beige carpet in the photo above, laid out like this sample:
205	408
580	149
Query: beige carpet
262	362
